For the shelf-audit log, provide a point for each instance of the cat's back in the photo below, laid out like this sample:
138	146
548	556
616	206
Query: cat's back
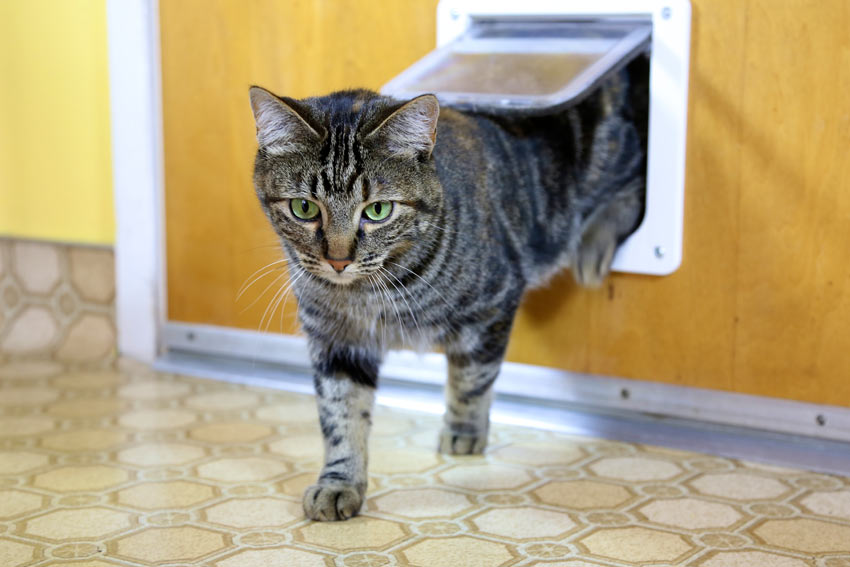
465	144
479	160
530	181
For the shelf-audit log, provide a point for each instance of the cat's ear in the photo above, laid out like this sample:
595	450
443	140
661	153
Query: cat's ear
280	126
411	130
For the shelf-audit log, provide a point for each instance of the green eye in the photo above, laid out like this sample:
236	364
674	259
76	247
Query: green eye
379	211
304	209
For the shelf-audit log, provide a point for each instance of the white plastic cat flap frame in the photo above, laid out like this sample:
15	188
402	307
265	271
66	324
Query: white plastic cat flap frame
565	48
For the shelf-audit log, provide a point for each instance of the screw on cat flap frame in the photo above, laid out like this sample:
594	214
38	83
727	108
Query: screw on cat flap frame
544	55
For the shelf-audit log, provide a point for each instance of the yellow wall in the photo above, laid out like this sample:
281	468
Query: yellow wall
55	168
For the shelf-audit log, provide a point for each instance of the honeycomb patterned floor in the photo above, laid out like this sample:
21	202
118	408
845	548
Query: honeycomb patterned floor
57	301
128	467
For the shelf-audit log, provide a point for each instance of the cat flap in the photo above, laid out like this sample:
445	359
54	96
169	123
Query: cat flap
524	65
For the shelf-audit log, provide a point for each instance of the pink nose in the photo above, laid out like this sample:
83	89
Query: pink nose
338	265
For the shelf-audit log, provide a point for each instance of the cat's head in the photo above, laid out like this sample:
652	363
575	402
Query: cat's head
347	180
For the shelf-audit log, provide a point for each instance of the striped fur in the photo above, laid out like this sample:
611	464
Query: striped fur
497	206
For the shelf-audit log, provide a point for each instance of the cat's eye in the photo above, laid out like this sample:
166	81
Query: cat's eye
376	212
304	209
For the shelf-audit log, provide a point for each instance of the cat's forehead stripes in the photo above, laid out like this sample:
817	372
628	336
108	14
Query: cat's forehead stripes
341	161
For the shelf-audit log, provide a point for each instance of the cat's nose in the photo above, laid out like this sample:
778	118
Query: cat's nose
339	265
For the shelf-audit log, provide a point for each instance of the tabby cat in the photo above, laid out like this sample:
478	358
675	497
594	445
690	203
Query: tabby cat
407	224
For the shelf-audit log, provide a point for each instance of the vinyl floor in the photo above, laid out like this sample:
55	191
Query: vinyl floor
132	467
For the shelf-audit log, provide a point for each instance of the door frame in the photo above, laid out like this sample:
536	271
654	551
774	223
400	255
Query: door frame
137	165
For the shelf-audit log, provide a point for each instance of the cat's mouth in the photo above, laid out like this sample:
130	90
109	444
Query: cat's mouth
344	278
343	273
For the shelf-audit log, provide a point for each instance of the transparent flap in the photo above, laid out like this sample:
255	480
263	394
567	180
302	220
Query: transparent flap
523	65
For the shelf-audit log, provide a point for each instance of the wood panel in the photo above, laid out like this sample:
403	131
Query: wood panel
211	53
761	304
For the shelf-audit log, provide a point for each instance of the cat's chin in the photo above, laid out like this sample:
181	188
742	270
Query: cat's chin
340	279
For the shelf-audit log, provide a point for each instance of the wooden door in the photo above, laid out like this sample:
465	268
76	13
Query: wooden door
761	304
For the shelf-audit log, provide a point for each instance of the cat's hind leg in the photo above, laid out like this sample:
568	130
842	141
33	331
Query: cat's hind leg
475	358
345	382
603	231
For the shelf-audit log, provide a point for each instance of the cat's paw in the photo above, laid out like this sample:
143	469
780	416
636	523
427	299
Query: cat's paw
452	443
594	257
332	502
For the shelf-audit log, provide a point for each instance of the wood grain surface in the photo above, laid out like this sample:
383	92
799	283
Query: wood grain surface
761	304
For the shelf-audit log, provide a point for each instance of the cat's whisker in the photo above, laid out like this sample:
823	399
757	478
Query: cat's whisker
283	292
284	296
383	307
383	319
392	303
278	297
268	287
278	261
402	292
388	313
452	326
282	312
258	278
444	321
377	289
288	294
246	285
426	282
271	301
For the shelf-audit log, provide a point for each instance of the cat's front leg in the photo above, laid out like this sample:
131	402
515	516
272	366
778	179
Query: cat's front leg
475	359
345	380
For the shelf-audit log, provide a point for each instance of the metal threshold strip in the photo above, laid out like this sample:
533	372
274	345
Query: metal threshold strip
746	443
